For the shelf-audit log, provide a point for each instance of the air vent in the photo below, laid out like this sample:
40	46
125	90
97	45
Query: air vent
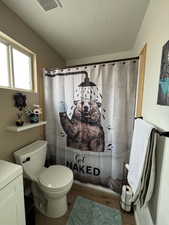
50	4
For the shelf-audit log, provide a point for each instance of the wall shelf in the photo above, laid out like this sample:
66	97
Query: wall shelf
26	126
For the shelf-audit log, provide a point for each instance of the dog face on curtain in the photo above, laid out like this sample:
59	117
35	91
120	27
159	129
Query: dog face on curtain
84	130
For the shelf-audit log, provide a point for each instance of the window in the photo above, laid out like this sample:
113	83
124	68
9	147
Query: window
4	68
22	70
17	66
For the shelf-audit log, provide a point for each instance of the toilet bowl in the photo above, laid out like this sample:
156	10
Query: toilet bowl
55	182
49	185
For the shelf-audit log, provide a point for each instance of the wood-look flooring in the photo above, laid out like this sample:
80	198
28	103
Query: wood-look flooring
99	196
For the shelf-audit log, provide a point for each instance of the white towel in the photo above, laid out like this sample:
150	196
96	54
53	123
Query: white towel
138	154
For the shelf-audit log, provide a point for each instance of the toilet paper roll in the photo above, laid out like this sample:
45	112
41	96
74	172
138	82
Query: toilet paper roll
126	198
128	195
123	196
123	193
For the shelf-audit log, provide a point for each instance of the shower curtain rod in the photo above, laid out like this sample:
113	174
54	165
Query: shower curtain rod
48	74
97	63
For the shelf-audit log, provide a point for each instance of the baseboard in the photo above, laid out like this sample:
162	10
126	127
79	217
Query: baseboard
143	216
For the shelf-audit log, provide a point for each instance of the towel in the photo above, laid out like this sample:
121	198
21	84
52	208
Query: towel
148	176
141	169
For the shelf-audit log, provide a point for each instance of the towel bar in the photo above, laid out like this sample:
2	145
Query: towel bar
161	133
165	134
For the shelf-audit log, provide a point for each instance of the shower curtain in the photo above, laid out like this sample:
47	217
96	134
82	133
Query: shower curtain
90	114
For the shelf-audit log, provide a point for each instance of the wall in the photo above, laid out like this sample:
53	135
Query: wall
154	31
13	26
98	58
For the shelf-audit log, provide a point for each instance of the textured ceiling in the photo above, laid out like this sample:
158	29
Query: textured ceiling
84	28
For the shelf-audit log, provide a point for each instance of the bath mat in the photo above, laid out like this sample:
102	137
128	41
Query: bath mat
88	212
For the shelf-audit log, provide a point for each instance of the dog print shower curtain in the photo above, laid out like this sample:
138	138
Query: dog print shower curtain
90	114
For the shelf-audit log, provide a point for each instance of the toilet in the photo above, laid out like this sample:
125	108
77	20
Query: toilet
49	185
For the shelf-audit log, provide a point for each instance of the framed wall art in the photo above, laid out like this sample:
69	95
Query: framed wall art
163	91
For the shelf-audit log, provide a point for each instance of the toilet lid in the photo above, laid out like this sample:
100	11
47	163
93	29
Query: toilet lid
56	177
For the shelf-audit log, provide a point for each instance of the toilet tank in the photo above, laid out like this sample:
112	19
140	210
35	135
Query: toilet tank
32	157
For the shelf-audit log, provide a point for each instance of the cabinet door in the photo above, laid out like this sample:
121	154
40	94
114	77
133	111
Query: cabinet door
11	204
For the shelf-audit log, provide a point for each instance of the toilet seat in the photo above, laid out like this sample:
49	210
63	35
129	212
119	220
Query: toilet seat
56	178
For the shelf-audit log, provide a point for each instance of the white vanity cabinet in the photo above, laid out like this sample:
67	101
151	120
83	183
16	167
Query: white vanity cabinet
12	210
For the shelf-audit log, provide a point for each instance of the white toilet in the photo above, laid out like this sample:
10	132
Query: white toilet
49	185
